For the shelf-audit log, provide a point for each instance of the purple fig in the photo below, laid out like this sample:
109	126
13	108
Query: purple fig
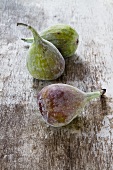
59	103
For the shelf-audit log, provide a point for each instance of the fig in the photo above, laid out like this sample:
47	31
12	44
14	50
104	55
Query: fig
44	61
64	37
60	103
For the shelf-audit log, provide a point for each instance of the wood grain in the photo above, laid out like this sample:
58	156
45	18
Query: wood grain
26	141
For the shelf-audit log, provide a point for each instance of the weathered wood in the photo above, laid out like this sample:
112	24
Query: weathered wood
26	141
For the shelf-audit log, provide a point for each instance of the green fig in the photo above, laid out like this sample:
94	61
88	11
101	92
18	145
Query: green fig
44	61
60	103
64	37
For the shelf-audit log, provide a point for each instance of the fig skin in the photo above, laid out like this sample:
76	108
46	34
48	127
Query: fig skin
60	103
44	61
64	37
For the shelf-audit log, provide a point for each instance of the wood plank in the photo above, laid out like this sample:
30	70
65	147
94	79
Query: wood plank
26	141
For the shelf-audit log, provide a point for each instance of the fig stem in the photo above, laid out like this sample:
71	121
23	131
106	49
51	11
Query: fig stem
28	40
36	36
103	91
22	24
92	95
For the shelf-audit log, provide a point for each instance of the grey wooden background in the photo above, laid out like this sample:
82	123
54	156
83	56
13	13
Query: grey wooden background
26	141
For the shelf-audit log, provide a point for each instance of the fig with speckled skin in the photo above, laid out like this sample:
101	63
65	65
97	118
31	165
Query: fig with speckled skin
44	61
63	36
59	103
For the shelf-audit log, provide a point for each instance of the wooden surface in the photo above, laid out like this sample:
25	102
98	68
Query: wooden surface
26	141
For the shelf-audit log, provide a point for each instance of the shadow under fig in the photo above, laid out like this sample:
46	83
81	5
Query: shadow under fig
106	109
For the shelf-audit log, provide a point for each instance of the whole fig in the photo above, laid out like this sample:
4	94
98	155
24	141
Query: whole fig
59	103
64	37
44	61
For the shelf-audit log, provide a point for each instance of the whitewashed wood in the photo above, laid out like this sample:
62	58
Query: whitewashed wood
26	142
